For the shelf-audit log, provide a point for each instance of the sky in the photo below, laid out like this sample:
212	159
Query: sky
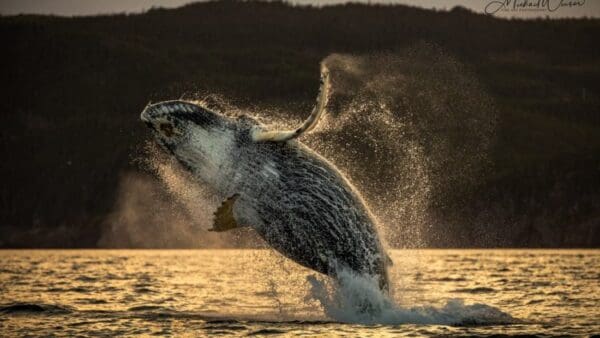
570	8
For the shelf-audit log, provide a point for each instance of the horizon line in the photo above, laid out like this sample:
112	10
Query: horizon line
21	8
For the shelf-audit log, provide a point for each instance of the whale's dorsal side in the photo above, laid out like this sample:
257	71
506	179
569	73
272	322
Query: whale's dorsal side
260	135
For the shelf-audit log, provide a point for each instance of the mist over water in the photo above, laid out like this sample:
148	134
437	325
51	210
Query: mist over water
412	131
175	213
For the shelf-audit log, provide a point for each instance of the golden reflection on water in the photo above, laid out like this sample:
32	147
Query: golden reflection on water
180	290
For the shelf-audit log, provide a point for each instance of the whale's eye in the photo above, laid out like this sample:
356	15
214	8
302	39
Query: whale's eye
167	129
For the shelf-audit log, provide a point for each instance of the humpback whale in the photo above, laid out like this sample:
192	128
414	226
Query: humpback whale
295	199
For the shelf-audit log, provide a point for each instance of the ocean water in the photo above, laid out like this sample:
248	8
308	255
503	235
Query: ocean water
259	293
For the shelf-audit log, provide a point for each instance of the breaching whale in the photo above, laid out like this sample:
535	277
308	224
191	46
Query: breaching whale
295	199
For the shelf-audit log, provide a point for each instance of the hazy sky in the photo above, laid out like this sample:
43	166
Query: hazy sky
590	8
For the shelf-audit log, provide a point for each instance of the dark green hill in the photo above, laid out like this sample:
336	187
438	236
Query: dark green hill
73	89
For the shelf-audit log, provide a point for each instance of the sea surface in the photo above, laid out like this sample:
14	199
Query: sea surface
234	293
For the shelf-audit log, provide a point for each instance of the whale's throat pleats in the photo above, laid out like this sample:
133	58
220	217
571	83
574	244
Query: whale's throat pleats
208	152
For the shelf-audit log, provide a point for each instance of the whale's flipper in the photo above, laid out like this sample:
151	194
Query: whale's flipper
389	260
224	219
259	135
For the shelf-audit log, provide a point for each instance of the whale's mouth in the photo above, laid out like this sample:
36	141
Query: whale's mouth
165	117
168	108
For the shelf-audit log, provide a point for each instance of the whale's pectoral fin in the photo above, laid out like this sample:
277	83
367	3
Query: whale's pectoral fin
260	135
224	219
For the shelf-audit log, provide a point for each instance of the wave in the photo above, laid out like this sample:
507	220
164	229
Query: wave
149	308
87	279
149	312
263	332
77	289
357	299
476	290
34	308
447	279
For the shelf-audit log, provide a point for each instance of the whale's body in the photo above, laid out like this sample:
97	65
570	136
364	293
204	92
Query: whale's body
297	201
305	209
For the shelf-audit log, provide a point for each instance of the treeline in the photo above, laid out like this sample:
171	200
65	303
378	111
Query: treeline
73	89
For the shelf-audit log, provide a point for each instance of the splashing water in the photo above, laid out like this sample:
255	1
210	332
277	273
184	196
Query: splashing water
409	130
392	129
357	299
412	130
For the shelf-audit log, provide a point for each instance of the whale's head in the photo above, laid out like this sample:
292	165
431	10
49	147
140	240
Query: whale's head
200	139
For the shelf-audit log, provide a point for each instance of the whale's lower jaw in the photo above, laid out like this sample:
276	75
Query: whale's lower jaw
206	153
